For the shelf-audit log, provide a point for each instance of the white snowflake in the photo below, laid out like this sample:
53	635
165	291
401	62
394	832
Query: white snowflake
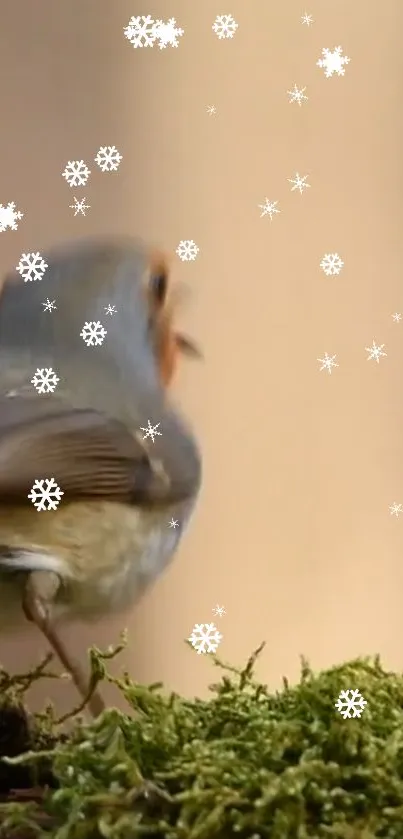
110	310
79	206
49	305
45	380
31	266
333	62
187	250
9	217
269	208
151	431
299	182
350	706
307	19
396	509
375	352
174	523
93	333
297	95
224	26
328	362
397	317
331	264
211	109
45	497
140	31
205	638
167	33
108	158
219	610
76	173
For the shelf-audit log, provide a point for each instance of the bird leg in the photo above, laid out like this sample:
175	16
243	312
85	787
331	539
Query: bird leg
40	591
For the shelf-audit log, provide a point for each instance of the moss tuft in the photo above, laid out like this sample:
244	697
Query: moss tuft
245	762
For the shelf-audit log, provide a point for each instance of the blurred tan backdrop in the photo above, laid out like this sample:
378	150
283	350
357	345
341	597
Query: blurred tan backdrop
293	534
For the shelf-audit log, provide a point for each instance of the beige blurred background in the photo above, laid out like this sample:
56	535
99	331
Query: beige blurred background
293	534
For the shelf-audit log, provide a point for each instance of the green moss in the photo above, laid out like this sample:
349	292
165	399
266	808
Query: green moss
245	762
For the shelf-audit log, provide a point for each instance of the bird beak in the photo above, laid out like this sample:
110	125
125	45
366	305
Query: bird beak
187	346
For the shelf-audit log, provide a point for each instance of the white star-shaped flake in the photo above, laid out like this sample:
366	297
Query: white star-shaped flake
375	352
328	362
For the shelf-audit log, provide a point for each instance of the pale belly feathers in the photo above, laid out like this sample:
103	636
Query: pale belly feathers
105	555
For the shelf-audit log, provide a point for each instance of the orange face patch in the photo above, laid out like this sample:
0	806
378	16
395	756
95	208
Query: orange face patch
168	344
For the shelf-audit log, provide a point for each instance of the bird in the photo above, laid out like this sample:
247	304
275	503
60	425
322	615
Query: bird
107	434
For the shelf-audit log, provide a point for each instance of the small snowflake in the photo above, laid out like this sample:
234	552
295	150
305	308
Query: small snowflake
187	250
110	310
307	19
224	26
328	362
219	611
396	509
76	173
45	497
108	158
299	183
397	317
167	33
174	523
297	95
350	706
45	380
140	31
269	208
49	305
331	264
333	62
9	217
375	352
93	333
211	109
79	206
31	266
205	638
151	431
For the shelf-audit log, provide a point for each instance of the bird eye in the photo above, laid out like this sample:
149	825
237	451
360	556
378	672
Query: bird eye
158	286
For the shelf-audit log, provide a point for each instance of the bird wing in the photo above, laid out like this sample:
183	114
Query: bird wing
88	454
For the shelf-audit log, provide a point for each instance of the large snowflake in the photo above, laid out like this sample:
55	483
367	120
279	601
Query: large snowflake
76	173
167	33
93	333
108	158
224	26
187	250
205	638
45	380
350	704
333	62
9	217
31	266
140	31
45	494
331	264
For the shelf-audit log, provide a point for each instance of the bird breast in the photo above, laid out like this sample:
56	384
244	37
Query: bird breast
105	553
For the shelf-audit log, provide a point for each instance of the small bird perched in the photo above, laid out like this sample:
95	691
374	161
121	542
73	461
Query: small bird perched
109	537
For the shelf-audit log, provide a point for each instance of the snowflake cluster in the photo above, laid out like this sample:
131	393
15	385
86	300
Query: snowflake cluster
144	31
76	172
